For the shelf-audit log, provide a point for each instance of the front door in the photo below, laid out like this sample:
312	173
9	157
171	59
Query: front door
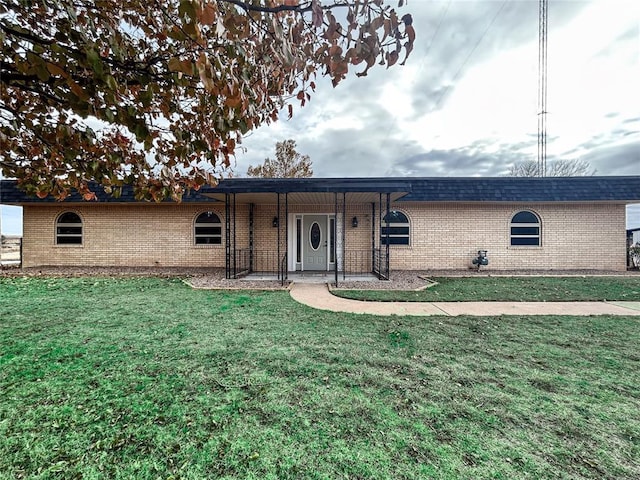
314	242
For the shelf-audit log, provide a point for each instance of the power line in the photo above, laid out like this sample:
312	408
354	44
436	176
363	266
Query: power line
455	77
422	63
435	33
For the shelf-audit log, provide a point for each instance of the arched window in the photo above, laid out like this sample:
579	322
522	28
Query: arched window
69	229
208	229
396	224
525	229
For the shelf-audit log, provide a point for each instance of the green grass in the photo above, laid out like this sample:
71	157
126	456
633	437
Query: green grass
533	289
148	379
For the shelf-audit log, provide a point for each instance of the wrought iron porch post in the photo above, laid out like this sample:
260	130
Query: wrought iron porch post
373	237
251	208
388	234
235	249
380	241
227	236
278	248
286	235
344	236
335	250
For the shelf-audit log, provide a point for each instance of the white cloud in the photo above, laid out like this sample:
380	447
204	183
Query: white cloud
594	70
593	73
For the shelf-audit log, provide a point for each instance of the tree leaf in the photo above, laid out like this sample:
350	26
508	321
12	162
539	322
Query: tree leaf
187	9
207	15
55	70
392	58
175	65
287	164
173	87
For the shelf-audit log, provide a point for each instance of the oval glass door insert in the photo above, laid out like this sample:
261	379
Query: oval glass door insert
315	236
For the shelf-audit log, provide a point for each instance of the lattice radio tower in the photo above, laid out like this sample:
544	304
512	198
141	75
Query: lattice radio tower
542	88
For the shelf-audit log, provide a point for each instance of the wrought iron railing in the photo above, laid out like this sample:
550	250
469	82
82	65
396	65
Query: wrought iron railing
380	264
357	262
265	262
240	263
283	272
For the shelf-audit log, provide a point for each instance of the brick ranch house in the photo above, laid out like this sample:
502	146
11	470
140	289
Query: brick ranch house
346	225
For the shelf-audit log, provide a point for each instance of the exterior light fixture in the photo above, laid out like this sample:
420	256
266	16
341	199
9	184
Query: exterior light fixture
354	222
275	222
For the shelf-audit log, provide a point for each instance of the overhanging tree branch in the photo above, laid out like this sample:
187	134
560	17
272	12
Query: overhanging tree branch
173	88
248	7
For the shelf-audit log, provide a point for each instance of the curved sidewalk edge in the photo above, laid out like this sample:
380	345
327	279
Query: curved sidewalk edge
318	296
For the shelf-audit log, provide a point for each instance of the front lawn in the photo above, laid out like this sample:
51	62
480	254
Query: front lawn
147	379
516	289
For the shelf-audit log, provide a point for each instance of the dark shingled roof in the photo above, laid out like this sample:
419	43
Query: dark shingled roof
457	189
434	189
510	189
11	194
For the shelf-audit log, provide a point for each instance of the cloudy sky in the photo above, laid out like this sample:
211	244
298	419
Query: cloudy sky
466	102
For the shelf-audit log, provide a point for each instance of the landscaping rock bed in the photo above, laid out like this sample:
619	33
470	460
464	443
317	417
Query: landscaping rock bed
214	278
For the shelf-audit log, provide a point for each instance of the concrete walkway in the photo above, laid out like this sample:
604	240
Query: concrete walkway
318	296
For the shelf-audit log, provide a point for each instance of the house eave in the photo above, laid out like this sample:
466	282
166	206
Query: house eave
485	190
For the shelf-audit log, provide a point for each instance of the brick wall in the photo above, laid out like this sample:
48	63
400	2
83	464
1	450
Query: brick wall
573	236
122	235
442	236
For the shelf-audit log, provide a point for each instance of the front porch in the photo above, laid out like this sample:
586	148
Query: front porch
294	227
269	265
311	277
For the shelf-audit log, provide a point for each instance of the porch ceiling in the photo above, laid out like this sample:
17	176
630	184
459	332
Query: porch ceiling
307	198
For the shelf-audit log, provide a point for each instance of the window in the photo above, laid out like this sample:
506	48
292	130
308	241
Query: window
396	224
332	239
208	229
315	236
298	240
525	229
69	229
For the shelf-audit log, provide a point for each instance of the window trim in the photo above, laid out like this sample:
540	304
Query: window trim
537	225
407	225
197	225
58	224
